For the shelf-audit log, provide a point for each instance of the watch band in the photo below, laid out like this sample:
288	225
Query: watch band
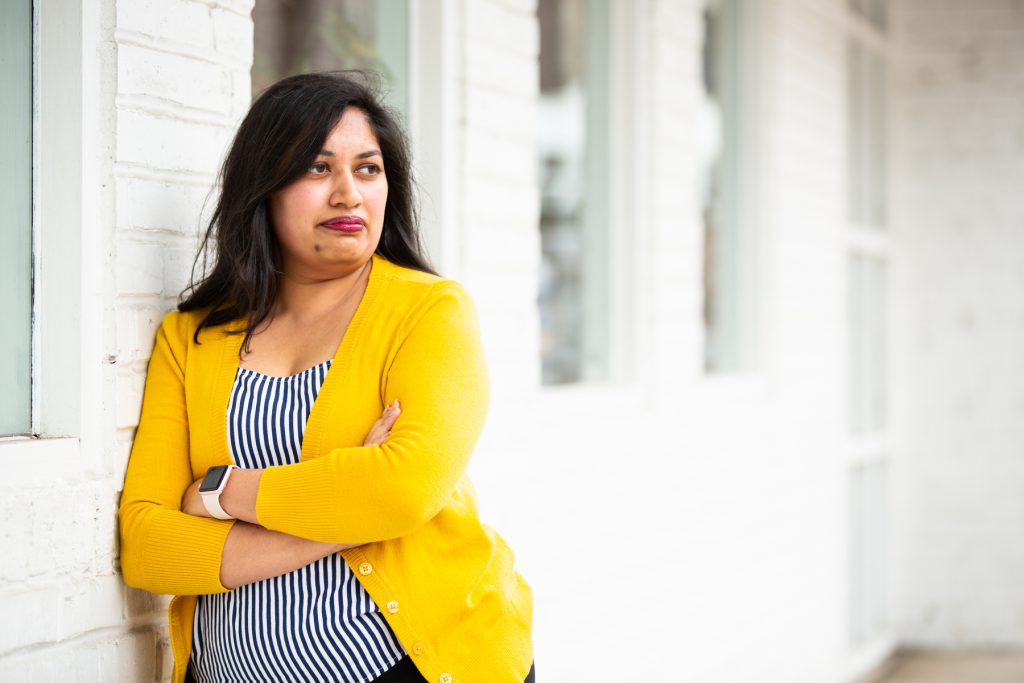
211	499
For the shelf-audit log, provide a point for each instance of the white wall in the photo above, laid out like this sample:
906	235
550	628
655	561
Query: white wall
958	143
157	88
678	527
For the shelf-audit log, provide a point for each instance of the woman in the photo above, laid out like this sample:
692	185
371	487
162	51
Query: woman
345	382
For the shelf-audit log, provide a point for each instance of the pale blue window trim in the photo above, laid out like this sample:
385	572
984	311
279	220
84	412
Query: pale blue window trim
16	218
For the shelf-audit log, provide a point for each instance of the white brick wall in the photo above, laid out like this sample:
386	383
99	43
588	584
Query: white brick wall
958	221
166	102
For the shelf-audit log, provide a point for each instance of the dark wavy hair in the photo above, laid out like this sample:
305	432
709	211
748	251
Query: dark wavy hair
277	142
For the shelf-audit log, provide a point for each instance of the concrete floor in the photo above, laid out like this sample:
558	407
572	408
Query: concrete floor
929	667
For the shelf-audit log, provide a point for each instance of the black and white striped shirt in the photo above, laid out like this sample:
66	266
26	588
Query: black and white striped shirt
313	624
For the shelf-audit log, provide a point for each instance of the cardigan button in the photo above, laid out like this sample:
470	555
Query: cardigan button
392	606
365	569
446	678
418	648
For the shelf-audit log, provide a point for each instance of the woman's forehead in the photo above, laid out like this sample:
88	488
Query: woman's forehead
351	136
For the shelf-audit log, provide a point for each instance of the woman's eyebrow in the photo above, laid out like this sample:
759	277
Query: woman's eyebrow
362	155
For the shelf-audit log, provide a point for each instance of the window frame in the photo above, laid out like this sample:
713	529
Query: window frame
624	206
67	331
18	322
745	362
869	456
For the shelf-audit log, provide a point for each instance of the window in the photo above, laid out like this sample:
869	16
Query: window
324	35
867	267
871	10
573	155
16	217
729	263
866	76
866	305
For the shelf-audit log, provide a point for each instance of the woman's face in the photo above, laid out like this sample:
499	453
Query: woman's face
328	222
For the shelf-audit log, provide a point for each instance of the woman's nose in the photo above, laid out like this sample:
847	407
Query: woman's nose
345	192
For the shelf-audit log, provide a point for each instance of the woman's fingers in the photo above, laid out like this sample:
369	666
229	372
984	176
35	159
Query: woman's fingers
381	429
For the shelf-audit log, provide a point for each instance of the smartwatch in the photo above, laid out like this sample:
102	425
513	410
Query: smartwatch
210	489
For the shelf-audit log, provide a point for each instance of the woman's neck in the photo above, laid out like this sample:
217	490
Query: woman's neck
306	299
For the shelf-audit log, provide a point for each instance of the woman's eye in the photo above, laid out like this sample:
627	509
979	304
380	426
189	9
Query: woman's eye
370	169
318	167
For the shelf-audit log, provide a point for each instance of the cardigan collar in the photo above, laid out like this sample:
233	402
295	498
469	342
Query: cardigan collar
381	271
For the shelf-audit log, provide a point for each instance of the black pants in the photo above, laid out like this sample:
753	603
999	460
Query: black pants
403	672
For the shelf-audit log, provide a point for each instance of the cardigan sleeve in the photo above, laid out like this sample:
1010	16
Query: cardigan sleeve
164	550
372	493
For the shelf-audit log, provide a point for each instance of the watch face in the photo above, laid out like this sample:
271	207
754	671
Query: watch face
214	477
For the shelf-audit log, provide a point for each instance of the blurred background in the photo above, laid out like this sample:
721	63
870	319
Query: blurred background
751	282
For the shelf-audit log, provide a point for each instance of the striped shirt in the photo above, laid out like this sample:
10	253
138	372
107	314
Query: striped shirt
316	623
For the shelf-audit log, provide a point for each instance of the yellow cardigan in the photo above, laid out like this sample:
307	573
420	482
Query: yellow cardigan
445	581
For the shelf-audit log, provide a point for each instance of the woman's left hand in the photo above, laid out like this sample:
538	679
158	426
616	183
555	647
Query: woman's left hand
381	429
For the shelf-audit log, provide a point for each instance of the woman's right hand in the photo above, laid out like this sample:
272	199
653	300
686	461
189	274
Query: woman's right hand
381	429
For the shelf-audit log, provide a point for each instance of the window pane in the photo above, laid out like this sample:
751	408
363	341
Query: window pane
866	143
324	35
573	158
867	332
872	10
868	520
875	347
875	166
16	217
727	235
855	345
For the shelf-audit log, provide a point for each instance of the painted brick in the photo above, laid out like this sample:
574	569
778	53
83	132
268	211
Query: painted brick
513	30
184	22
233	35
491	68
14	672
177	266
130	384
178	65
92	604
14	559
174	78
517	160
18	631
502	115
136	332
140	268
140	655
86	663
57	666
163	143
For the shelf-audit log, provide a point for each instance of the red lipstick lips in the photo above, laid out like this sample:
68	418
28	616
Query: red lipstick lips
345	224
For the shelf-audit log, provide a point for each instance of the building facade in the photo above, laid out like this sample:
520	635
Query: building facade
750	279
